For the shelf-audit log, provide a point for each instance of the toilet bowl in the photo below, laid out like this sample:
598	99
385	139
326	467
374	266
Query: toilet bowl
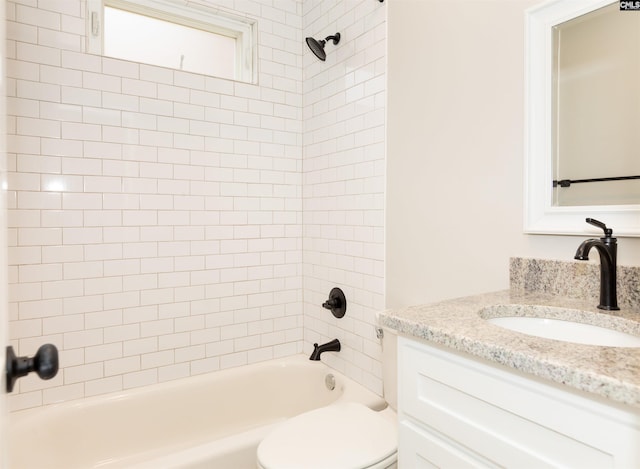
345	435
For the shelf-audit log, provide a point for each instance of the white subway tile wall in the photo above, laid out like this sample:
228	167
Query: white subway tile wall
164	224
344	180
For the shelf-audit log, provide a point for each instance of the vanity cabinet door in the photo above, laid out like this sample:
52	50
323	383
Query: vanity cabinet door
457	411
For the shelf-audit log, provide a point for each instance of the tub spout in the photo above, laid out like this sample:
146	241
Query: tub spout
333	346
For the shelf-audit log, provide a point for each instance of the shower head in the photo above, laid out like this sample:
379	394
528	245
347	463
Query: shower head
317	47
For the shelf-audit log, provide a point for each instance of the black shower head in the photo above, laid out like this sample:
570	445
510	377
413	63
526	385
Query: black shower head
317	47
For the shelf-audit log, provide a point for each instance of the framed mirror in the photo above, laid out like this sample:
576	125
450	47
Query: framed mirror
582	117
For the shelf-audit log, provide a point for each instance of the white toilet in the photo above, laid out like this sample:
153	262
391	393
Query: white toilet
345	435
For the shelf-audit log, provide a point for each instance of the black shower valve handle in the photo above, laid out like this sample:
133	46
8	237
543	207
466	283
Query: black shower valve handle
608	232
331	303
337	303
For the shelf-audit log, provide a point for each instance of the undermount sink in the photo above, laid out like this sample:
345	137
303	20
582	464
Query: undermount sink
565	330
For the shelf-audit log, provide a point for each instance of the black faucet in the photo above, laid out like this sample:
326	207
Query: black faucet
607	248
333	346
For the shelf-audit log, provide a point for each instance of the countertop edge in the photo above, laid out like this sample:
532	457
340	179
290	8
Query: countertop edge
613	375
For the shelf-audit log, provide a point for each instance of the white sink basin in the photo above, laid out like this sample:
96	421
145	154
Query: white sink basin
567	331
565	324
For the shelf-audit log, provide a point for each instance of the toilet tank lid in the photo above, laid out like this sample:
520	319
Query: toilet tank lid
342	435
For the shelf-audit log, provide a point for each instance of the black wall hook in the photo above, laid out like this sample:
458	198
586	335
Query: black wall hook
44	362
337	302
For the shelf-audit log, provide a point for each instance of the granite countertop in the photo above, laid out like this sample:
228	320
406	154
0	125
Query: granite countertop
609	372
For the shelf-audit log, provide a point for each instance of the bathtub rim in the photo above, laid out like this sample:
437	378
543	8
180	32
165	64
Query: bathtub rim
351	393
21	421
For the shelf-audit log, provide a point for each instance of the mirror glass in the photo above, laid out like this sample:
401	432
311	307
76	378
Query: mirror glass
596	109
582	117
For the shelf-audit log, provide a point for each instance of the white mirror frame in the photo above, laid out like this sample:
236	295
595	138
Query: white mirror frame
540	216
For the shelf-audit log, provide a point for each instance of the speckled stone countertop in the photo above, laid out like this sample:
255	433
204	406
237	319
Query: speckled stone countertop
609	372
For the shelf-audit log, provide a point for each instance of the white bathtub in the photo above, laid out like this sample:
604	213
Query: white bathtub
213	421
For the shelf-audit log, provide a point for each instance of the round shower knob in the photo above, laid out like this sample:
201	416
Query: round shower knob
44	363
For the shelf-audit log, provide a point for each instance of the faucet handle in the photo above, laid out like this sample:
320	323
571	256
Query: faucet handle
608	232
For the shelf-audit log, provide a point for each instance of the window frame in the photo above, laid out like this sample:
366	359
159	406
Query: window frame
186	14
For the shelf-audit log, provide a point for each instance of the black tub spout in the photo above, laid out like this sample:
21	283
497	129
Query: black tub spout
333	346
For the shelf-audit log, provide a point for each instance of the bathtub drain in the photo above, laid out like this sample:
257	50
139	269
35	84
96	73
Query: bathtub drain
330	382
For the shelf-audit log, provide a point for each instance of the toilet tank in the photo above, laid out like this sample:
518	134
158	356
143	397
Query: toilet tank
390	367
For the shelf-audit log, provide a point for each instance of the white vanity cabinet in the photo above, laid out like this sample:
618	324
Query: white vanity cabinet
456	411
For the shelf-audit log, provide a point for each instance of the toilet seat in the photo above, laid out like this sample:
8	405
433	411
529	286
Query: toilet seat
346	435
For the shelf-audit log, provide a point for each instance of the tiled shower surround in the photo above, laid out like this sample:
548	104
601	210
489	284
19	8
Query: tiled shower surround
164	224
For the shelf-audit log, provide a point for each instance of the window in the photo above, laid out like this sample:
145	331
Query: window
174	35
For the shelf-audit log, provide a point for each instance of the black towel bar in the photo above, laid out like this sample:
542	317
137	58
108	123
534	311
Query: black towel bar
568	182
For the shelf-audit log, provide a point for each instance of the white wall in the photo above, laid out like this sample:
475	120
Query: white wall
155	226
455	151
4	316
164	224
343	180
